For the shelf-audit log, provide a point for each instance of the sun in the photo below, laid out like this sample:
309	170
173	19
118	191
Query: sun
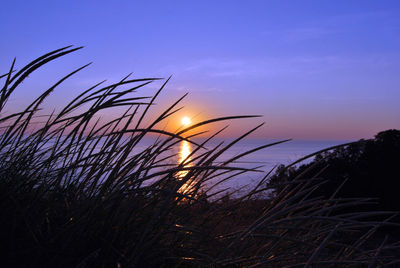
186	121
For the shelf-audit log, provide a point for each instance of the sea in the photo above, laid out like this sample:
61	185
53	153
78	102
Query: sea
263	160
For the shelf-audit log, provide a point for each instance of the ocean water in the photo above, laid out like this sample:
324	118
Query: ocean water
265	159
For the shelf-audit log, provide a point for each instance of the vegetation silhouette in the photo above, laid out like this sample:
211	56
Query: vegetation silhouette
368	168
79	192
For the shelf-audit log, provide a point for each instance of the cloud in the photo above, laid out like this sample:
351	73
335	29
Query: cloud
301	34
308	71
340	24
214	67
267	67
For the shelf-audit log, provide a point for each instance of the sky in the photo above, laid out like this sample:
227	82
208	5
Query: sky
313	69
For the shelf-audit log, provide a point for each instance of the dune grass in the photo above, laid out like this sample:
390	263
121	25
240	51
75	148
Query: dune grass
80	192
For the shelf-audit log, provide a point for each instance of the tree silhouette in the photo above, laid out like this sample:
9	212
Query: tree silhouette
369	167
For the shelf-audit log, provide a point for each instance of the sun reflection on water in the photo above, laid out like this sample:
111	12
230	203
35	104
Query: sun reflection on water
184	160
184	152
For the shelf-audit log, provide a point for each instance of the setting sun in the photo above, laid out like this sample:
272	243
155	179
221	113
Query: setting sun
186	121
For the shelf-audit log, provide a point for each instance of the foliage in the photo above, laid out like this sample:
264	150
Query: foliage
78	192
367	168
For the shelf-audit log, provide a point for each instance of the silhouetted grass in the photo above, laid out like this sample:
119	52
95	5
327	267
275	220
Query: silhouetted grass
79	192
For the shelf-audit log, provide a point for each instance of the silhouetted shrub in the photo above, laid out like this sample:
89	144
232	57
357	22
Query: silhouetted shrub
368	168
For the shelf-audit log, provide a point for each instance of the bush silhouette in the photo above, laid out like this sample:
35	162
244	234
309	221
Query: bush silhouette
368	167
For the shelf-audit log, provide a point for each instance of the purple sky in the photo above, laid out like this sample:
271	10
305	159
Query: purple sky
314	69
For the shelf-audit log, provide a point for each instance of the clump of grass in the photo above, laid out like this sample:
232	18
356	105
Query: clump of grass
79	192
